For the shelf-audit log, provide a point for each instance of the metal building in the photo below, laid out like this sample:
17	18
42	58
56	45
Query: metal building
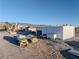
62	32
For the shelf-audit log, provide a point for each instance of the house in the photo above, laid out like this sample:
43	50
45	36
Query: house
62	32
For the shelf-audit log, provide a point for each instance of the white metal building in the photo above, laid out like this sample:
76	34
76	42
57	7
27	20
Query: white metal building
62	32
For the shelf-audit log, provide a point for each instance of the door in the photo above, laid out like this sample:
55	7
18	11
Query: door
39	33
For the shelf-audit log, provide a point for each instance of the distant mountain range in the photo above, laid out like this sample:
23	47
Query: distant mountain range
37	25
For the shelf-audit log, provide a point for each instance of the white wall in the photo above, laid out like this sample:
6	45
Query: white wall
63	32
50	31
68	32
56	30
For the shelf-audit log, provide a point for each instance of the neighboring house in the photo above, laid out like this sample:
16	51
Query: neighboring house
32	29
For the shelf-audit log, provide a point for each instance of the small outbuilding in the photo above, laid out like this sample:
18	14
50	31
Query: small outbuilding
62	32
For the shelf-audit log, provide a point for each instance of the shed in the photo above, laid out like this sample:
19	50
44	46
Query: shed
62	32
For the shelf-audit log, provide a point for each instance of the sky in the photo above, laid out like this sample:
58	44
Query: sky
40	11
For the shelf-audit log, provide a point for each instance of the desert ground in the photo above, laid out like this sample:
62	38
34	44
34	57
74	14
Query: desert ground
44	49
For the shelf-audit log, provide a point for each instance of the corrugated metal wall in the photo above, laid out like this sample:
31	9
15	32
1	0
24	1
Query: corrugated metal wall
63	32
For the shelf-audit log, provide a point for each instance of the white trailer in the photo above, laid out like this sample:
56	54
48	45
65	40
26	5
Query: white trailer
62	32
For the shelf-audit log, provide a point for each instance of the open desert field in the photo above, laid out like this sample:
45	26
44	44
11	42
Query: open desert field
9	49
44	49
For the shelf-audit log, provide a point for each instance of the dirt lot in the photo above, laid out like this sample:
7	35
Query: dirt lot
9	49
44	49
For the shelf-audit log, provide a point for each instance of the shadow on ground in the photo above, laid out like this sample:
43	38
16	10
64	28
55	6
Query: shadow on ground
12	40
73	44
2	30
67	55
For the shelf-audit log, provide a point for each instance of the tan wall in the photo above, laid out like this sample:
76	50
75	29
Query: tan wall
68	32
2	27
32	29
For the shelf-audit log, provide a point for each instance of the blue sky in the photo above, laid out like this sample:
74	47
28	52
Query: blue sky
40	11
